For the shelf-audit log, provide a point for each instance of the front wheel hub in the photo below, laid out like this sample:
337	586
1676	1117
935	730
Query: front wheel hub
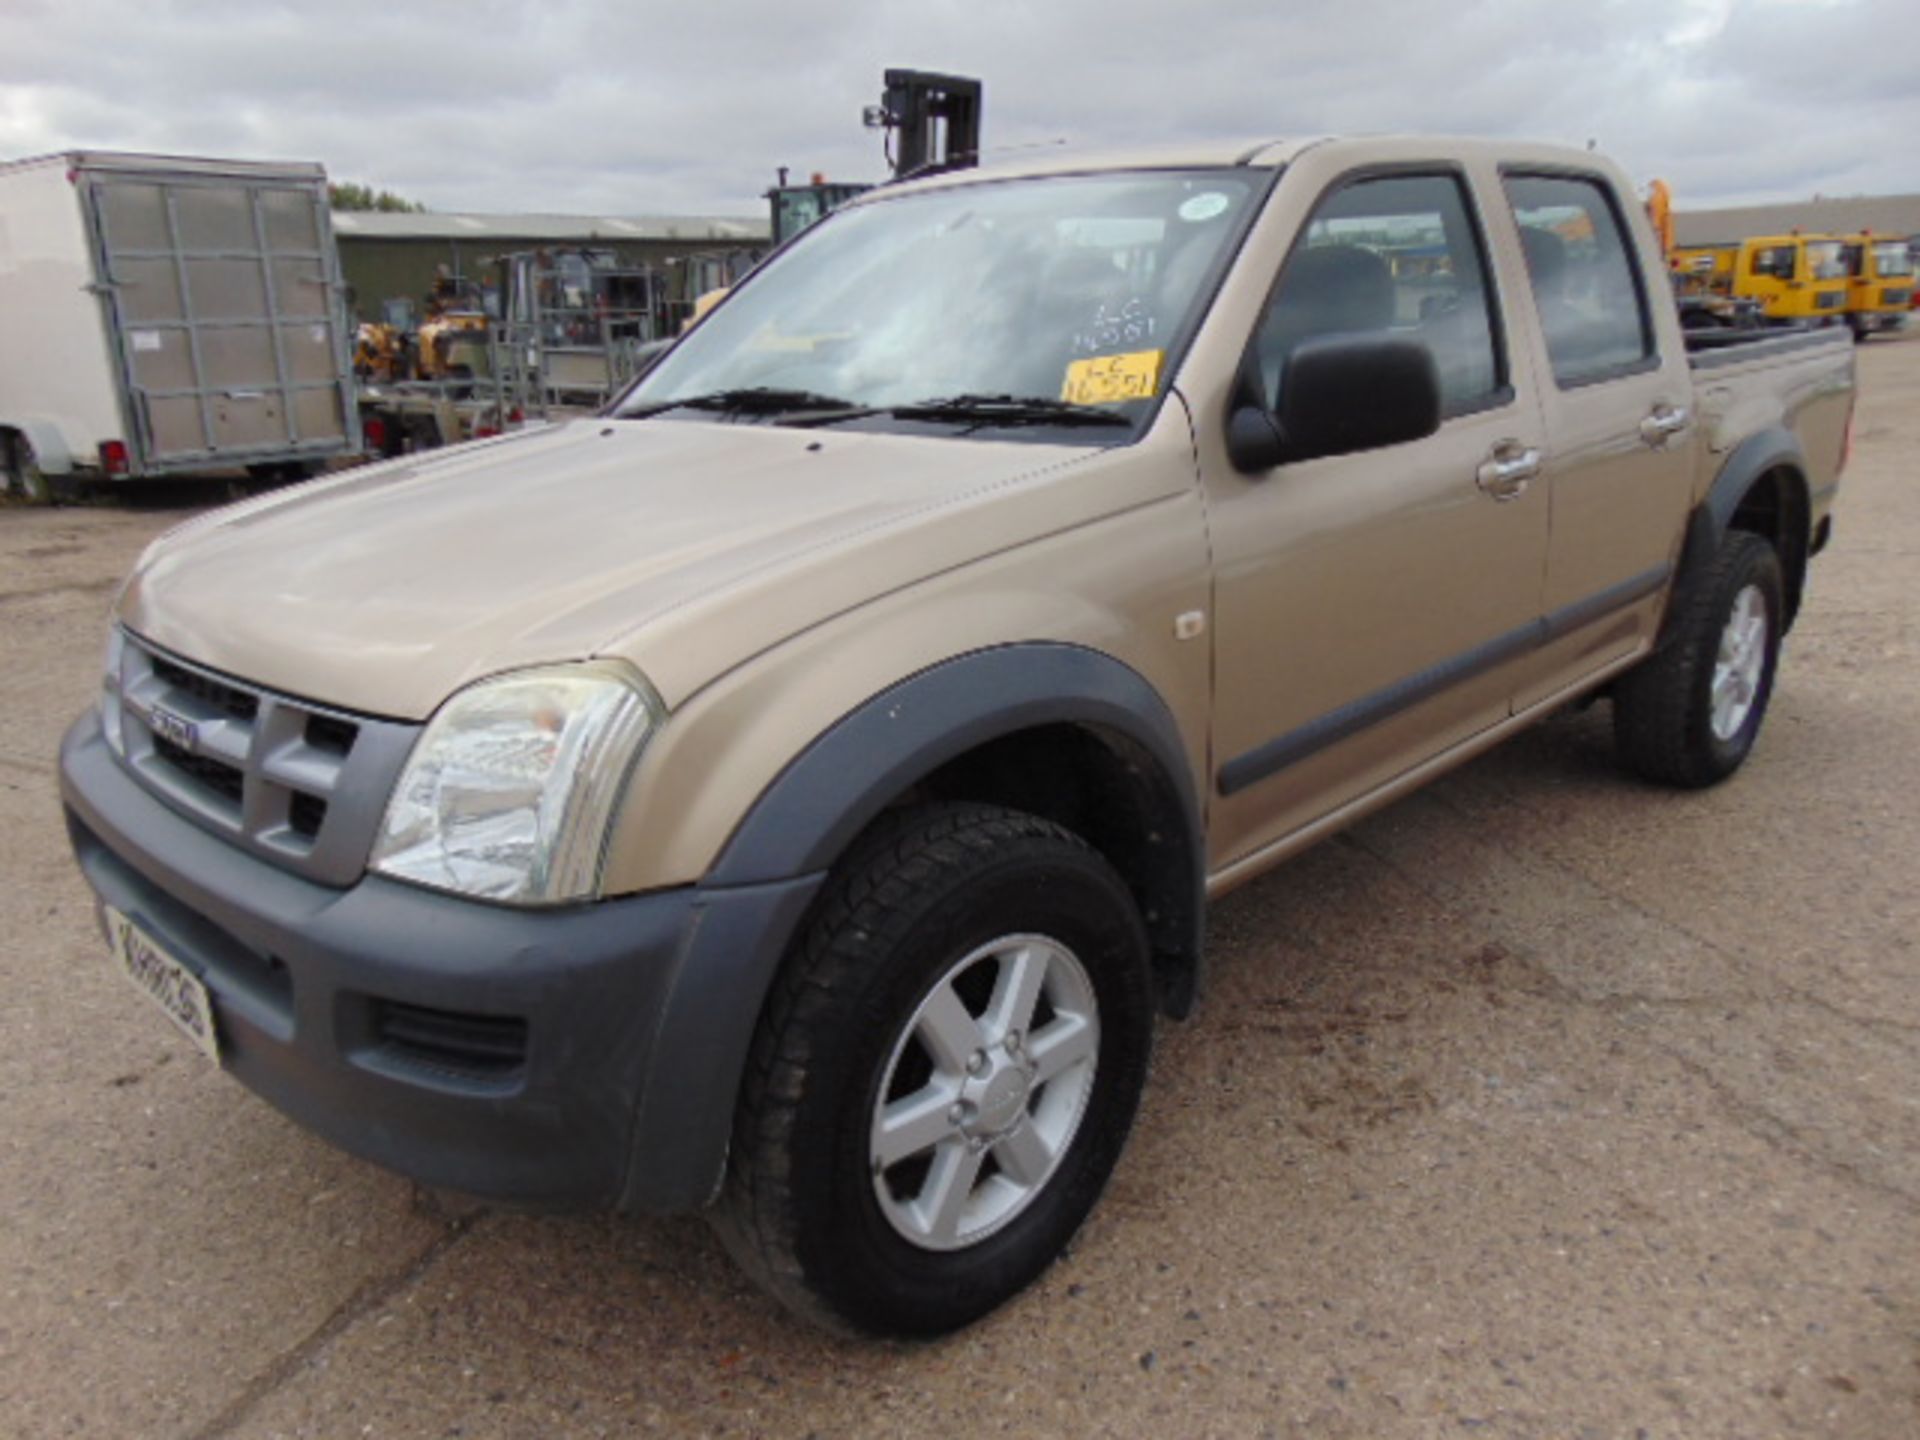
998	1099
984	1091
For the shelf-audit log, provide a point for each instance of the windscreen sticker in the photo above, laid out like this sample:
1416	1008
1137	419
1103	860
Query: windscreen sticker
1116	325
1204	206
145	339
1109	379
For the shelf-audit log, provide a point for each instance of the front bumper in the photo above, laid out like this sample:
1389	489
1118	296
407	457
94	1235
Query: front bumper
581	1056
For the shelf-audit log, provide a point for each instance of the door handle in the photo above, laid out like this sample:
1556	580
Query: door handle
1505	476
1664	423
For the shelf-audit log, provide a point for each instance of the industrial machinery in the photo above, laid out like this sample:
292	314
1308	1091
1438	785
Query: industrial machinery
569	328
1791	279
1880	282
1796	278
451	342
937	121
575	322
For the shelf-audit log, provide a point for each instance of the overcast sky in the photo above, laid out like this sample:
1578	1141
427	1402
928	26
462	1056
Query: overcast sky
614	108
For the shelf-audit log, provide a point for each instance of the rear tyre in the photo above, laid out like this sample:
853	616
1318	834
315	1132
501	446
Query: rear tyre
944	1075
1689	714
20	474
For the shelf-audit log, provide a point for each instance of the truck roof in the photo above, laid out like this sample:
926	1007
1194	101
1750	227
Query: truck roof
1253	153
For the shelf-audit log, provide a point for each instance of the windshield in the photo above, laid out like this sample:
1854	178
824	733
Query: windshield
1891	258
1071	288
1825	260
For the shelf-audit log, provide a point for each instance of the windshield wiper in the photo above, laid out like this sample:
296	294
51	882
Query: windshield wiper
1008	410
756	400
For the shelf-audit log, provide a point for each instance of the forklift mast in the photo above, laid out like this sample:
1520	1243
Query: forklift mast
937	118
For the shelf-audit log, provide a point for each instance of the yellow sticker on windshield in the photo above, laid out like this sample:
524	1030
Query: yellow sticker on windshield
1107	379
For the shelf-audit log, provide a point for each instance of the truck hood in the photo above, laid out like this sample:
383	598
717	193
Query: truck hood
386	589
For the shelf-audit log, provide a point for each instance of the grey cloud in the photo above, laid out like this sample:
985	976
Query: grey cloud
607	107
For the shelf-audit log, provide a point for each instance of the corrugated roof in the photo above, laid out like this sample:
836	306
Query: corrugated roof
1892	215
558	229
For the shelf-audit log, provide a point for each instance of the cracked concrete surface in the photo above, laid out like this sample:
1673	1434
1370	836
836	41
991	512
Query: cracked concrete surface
1543	1104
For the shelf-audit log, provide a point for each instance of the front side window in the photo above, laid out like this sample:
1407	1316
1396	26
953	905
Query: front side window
1585	285
1826	259
1776	262
1392	254
1892	259
1069	289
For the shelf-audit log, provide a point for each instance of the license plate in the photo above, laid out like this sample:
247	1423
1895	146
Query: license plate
165	981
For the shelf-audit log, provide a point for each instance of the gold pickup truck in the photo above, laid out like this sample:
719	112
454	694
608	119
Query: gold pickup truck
796	792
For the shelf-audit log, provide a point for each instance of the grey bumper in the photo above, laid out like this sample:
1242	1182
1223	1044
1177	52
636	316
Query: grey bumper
582	1056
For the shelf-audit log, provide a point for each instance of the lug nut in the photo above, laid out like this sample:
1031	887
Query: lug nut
1013	1042
957	1115
976	1062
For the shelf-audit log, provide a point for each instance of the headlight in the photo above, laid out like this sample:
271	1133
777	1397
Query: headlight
510	789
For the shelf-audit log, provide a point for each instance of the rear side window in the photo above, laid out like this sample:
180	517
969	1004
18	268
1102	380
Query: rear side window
1776	261
1585	284
1394	253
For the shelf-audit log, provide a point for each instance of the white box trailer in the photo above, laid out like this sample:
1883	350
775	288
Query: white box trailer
161	314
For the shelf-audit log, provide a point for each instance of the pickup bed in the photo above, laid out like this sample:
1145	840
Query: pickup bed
795	793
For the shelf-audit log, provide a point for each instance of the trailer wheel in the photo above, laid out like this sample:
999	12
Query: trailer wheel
20	474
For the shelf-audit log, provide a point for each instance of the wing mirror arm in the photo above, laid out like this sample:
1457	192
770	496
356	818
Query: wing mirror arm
1254	442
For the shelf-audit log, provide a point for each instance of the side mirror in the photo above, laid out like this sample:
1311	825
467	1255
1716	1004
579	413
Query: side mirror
1340	394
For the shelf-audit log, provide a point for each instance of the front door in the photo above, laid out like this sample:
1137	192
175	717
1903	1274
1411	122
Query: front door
1370	609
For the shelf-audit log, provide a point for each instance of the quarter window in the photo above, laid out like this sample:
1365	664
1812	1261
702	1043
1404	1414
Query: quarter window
1396	254
1584	282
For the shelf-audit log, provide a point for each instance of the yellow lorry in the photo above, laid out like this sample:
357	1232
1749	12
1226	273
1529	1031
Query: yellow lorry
1880	282
1793	278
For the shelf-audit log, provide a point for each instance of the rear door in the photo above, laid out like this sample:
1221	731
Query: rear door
223	316
1618	410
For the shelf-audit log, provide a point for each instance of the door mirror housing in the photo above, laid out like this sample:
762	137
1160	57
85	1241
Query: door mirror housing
1339	394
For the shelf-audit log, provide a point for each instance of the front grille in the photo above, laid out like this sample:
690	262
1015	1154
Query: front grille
330	733
306	814
1895	298
295	782
488	1047
230	699
217	776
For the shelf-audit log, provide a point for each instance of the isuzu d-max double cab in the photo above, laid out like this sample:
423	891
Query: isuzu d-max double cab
795	793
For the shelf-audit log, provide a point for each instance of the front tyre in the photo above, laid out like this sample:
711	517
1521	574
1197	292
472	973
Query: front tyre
1689	714
944	1076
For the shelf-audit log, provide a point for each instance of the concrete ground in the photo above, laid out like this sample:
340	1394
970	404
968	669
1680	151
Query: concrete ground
1544	1104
